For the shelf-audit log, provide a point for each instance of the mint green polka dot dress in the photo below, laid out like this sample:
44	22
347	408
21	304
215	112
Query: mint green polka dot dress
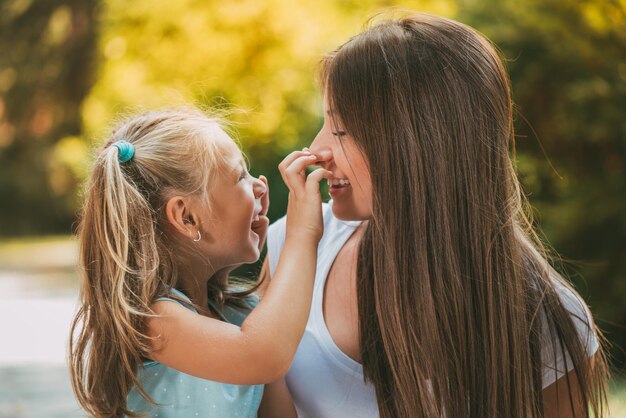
180	395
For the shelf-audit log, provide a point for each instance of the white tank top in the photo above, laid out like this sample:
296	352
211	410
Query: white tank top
325	382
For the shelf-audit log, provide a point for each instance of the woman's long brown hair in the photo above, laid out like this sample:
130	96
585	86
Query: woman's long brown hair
454	288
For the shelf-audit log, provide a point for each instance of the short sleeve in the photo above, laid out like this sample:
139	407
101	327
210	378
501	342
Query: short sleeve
554	364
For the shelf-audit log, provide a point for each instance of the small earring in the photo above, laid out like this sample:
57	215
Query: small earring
199	237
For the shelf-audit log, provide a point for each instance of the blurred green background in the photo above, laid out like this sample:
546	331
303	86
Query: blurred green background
68	68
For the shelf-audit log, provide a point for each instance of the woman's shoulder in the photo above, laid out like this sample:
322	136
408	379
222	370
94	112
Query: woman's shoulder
556	361
579	313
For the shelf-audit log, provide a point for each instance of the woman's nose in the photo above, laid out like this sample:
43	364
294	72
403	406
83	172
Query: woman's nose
319	141
321	149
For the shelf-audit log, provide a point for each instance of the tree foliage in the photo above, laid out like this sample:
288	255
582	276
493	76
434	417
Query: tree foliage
46	69
567	63
255	58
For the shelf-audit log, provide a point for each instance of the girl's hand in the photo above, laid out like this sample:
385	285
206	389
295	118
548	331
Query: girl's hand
304	211
260	226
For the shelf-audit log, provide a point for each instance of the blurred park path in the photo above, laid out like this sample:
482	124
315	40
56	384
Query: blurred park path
38	295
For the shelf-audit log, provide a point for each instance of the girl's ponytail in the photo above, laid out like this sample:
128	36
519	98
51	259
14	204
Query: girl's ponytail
118	254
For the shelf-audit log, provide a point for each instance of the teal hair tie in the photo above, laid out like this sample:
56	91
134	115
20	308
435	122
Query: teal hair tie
126	151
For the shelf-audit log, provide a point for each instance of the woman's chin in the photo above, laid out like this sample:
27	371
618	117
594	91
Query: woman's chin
350	212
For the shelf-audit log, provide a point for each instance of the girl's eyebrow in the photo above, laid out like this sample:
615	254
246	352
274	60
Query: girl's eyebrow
237	167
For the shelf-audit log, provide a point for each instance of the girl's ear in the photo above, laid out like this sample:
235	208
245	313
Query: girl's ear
180	216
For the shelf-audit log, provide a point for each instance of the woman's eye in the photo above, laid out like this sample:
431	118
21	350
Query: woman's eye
243	175
339	133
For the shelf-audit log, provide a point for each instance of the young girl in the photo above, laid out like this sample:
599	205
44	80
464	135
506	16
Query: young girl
433	297
170	210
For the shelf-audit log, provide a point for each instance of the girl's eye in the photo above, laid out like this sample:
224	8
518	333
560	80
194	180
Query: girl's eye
244	174
338	133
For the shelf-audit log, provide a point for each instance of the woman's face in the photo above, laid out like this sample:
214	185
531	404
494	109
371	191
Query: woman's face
351	185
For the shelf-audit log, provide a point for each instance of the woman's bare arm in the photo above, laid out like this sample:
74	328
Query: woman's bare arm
277	402
563	398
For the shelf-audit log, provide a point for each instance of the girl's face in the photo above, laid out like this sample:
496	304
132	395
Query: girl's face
351	186
235	204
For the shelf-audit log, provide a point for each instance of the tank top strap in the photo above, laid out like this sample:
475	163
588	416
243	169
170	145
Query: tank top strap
179	297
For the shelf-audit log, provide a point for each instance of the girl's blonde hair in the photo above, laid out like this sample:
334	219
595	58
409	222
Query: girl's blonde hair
127	257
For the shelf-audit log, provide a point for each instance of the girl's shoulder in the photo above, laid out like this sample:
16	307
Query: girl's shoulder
234	312
175	295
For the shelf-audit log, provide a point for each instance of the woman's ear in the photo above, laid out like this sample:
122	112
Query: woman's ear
179	215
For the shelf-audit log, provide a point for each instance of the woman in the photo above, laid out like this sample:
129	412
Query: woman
433	294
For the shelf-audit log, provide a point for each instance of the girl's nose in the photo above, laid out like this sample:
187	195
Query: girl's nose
259	188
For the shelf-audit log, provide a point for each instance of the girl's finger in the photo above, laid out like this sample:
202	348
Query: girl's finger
323	155
313	180
286	162
300	164
294	174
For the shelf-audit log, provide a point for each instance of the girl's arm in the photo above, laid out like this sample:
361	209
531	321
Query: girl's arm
261	350
264	278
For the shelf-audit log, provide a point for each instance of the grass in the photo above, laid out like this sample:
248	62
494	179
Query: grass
617	399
